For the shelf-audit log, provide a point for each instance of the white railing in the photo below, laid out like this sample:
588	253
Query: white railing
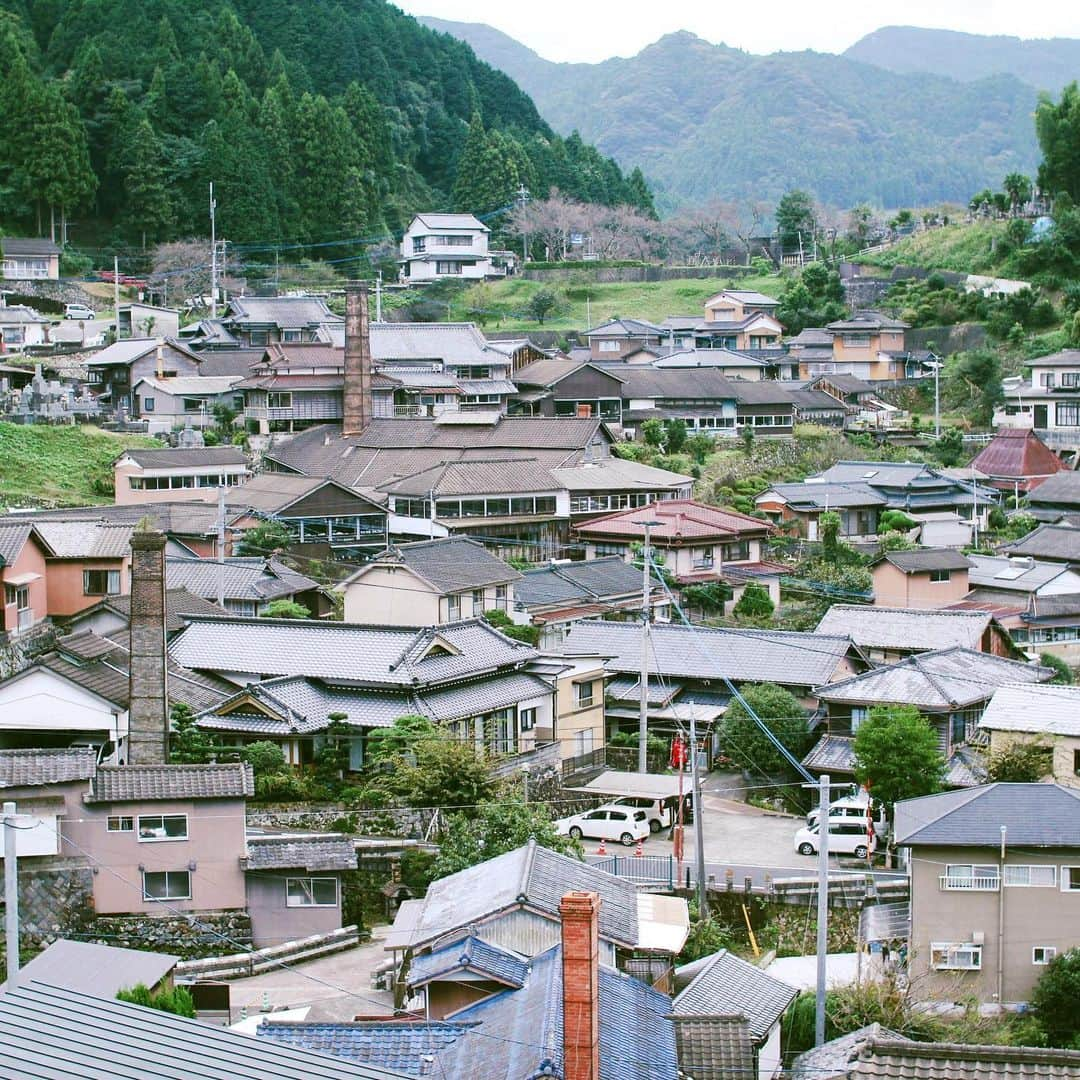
969	884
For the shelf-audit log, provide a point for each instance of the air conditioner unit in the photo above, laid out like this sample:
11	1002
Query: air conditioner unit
978	937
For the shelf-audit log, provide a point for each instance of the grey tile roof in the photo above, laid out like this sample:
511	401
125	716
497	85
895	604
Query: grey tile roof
827	495
451	343
472	955
48	1033
1058	606
923	560
914	629
283	311
726	985
28	245
451	564
452	221
1020	575
1034	815
487	476
783	656
1061	489
624	326
13	534
28	768
327	851
530	875
618	474
179	518
245	579
187	458
98	970
146	783
481	695
628	688
864	320
941	680
373	655
715	1047
901	1059
178	602
832	1060
1057	543
1051	710
831	752
87	539
594	579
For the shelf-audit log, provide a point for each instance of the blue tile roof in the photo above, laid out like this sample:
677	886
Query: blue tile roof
472	955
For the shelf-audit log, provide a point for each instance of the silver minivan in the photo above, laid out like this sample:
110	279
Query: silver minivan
845	838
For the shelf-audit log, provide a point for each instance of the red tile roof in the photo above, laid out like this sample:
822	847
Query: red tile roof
1018	454
680	520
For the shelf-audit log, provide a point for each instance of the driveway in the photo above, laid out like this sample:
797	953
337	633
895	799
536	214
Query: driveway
71	331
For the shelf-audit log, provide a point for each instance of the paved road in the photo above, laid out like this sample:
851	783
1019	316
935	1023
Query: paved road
71	331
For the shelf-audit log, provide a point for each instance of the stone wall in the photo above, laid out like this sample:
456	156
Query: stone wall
189	937
64	292
19	652
56	899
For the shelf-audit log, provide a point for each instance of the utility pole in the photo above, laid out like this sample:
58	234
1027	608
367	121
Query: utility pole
116	294
523	198
213	254
221	545
378	296
822	907
699	820
643	707
11	895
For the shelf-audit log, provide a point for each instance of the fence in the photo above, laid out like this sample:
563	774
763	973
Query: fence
640	869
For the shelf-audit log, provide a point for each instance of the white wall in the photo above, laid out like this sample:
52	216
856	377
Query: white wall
42	701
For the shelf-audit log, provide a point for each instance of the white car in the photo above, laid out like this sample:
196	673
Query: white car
78	311
622	823
851	808
846	837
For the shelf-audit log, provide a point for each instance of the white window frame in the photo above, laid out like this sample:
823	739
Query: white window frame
949	952
307	890
580	701
608	345
112	582
162	818
527	719
1066	877
980	877
1048	954
167	875
453	607
120	823
1012	870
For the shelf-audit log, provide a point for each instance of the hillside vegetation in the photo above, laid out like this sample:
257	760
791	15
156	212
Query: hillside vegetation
59	466
966	249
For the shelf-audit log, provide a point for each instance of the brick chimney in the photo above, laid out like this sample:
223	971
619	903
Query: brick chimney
579	912
148	710
357	405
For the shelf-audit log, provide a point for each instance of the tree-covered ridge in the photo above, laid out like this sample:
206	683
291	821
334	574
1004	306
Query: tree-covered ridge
315	120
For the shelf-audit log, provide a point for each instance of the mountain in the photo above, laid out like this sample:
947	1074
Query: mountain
708	121
1046	63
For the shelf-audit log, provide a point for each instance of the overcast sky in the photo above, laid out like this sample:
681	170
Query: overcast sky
592	30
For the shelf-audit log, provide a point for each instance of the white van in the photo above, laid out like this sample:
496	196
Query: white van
852	807
78	311
661	813
846	837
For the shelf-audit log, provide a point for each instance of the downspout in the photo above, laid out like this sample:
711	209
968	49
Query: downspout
1001	925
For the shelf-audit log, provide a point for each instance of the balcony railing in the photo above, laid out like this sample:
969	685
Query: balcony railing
969	884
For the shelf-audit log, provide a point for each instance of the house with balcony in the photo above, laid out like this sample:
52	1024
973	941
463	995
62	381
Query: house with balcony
29	258
619	484
446	246
739	319
1048	400
561	386
21	326
187	473
428	583
994	874
869	345
117	369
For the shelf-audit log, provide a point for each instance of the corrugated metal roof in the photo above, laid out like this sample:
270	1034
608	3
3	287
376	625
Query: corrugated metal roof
1017	453
493	476
138	783
618	474
49	1033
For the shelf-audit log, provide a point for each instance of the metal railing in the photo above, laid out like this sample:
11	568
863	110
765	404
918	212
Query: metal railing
969	884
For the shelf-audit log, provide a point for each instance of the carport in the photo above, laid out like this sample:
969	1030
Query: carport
661	788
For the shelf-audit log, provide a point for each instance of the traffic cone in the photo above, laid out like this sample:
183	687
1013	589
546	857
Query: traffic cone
601	850
639	851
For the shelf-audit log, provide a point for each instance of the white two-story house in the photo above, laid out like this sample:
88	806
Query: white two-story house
1048	401
446	245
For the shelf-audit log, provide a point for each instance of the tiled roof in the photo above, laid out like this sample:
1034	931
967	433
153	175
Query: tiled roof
693	652
914	629
1050	710
939	680
747	296
244	579
187	458
923	560
140	783
326	851
452	221
476	477
1034	815
473	955
901	1059
714	1047
48	1033
374	655
178	602
86	539
13	534
179	518
725	985
1064	358
1017	453
234	362
867	320
594	579
28	245
450	343
276	492
831	752
1061	489
532	876
283	311
481	695
1022	574
635	327
1055	543
28	768
679	520
618	474
832	1060
549	371
825	496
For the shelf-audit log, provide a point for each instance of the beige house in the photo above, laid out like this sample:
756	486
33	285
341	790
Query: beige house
579	704
185	474
740	319
429	583
924	578
1045	716
995	888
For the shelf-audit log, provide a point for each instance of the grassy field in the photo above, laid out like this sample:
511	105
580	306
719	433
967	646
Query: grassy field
967	249
580	304
59	466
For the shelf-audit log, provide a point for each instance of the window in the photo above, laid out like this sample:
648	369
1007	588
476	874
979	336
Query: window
259	337
609	346
1043	954
856	341
311	892
419	244
1070	379
946	956
1031	876
1076	762
976	878
1070	879
166	884
194	404
583	694
121	824
939	576
477	601
292	335
703	558
453	607
859	713
148	404
163	827
101	582
500	597
527	719
447	267
1046	380
1067	414
279	399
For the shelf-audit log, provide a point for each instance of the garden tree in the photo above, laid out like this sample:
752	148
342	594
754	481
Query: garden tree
148	207
541	304
264	539
1057	125
699	447
708	598
897	755
1063	675
265	758
895	521
652	431
949	449
443	772
1056	994
285	609
674	436
747	439
979	370
891	540
402	737
502	622
176	1000
860	221
1020	763
755	603
781	712
493	828
829	530
815	298
188	743
332	756
795	220
1017	187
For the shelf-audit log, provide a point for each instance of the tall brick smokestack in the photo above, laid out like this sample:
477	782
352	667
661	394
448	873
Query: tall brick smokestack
148	709
357	412
580	912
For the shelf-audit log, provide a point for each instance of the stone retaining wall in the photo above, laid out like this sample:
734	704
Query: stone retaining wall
201	934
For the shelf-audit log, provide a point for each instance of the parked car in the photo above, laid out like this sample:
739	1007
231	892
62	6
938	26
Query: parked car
852	807
661	813
846	837
622	823
78	311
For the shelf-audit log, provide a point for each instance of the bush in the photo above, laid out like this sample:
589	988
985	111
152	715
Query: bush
264	757
1063	673
177	1001
1020	763
1055	1000
781	713
755	603
285	609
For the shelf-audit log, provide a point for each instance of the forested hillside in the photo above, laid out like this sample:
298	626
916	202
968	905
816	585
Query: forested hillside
315	120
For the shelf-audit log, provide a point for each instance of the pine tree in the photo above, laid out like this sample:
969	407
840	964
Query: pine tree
148	210
470	165
640	194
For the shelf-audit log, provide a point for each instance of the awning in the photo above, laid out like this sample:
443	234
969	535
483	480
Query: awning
644	785
21	579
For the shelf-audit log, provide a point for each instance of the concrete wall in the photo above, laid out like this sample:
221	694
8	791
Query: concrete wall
894	588
65	582
273	922
56	711
578	730
393	596
1063	747
31	560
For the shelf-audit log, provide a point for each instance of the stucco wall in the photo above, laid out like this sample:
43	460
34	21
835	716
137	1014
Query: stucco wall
273	922
65	582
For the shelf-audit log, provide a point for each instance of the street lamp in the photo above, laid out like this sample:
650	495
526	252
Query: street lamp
646	589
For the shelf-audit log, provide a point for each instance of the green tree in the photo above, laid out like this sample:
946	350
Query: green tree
1017	187
795	220
148	205
502	622
1056	994
264	539
699	447
332	756
674	436
755	603
495	827
402	737
285	609
1057	125
949	449
176	1000
652	431
781	713
265	758
748	439
1063	675
896	521
1020	763
897	755
447	773
541	304
188	743
829	529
